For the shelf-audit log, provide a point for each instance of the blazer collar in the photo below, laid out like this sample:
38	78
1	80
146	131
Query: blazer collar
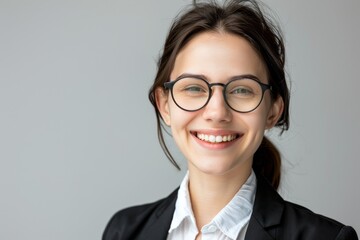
267	211
162	219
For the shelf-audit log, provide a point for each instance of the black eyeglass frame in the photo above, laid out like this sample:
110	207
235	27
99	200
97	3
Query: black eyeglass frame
170	85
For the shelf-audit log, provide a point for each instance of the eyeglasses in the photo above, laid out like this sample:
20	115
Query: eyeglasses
242	94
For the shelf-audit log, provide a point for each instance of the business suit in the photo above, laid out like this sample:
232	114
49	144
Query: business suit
272	218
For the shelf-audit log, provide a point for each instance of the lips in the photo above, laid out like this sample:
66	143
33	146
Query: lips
216	138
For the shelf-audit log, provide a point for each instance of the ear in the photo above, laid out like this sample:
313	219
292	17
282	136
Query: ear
275	112
162	104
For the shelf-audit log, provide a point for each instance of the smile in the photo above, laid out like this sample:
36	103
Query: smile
216	138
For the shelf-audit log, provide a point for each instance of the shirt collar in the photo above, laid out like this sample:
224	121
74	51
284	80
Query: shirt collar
236	214
183	209
230	220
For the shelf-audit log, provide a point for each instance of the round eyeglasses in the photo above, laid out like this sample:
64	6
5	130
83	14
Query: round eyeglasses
242	94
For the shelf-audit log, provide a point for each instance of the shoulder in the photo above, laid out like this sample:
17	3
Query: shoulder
131	222
287	220
311	225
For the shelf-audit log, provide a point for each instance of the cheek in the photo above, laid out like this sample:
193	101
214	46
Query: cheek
179	119
256	121
181	122
261	114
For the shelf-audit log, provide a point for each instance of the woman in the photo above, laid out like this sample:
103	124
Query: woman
220	84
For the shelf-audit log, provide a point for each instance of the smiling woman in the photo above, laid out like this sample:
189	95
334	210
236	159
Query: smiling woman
221	58
220	84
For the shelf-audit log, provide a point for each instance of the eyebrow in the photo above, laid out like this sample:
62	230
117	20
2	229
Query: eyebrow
203	77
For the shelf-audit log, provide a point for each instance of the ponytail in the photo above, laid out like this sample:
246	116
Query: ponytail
267	162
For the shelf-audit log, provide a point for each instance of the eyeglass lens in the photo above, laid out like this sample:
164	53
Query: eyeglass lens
242	95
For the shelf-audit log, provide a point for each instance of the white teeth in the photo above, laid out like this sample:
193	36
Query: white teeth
215	139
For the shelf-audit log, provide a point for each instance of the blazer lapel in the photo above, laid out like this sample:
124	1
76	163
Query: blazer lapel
256	231
267	212
161	220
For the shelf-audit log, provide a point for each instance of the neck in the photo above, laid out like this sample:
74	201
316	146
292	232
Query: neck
210	193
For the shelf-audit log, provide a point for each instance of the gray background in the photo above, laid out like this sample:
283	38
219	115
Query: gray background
77	134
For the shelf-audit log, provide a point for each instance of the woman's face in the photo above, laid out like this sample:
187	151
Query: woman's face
219	57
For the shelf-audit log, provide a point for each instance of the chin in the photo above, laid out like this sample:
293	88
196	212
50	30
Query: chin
213	168
217	165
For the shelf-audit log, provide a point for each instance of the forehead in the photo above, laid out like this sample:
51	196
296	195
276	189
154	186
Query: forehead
219	56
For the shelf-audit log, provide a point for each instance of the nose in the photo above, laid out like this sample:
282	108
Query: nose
216	109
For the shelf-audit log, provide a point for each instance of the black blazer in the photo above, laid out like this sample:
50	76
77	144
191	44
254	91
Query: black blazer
272	218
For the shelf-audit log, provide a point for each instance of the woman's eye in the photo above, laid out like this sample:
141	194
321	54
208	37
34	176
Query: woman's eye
243	91
194	89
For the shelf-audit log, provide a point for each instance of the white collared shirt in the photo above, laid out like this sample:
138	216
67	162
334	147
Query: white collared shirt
229	224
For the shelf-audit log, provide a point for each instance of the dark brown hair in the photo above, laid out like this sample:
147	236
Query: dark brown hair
245	19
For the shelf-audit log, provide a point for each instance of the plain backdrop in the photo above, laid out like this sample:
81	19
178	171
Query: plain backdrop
77	133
